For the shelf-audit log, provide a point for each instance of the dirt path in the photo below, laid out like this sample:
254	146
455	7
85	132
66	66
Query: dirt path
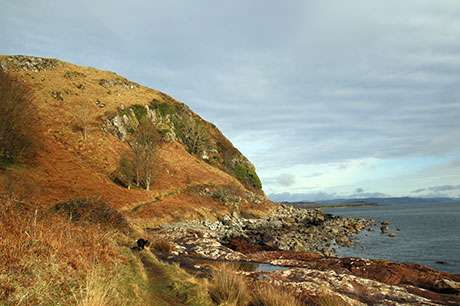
158	283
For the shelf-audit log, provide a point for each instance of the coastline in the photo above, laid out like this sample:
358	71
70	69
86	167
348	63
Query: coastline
295	247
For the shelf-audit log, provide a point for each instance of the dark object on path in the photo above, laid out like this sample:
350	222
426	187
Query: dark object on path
441	262
141	244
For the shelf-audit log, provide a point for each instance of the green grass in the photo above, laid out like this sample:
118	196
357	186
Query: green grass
163	108
139	111
247	176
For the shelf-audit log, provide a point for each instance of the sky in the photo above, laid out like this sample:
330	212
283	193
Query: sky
328	98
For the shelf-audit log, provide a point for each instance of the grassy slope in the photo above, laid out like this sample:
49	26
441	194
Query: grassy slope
49	259
68	167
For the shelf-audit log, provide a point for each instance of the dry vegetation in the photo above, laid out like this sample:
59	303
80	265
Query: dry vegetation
268	295
138	166
45	257
16	141
228	288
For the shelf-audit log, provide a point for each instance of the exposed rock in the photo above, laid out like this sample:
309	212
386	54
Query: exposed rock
27	63
118	82
352	289
71	75
447	286
287	228
57	95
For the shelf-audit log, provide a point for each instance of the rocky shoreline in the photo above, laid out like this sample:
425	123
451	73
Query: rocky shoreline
287	228
299	245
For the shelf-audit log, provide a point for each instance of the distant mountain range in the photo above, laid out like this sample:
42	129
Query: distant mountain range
374	201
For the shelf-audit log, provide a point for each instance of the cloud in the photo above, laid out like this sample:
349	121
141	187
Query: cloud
359	190
286	180
287	86
441	188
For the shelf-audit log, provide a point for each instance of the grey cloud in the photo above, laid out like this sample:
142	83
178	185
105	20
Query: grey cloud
285	180
440	188
377	81
314	174
359	190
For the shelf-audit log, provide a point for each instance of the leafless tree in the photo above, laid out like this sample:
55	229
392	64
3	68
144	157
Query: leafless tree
193	134
138	166
82	120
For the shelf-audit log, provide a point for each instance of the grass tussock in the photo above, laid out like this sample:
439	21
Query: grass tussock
268	295
228	288
162	246
45	257
329	300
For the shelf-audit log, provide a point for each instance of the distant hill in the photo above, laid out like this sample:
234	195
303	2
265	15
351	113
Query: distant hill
394	200
363	202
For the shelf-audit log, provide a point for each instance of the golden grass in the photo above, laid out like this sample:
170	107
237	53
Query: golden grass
268	295
44	257
97	291
228	288
330	300
162	246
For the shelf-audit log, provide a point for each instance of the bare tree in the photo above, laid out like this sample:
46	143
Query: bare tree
138	166
15	113
82	120
193	134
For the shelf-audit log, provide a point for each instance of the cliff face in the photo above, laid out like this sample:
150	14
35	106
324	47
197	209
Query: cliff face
199	173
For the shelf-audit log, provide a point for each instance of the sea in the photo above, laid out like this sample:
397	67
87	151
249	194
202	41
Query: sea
429	234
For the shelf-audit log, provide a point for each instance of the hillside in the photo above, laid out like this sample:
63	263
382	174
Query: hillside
112	193
190	181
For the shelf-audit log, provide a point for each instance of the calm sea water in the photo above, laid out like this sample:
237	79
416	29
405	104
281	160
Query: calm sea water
428	233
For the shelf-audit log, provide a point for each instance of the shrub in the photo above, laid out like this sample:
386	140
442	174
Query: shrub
247	175
163	108
92	211
15	127
139	111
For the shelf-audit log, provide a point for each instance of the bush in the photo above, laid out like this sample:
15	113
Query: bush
139	111
247	176
92	211
15	126
163	108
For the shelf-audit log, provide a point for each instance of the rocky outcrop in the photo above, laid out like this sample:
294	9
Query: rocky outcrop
27	63
280	240
351	289
287	228
176	122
